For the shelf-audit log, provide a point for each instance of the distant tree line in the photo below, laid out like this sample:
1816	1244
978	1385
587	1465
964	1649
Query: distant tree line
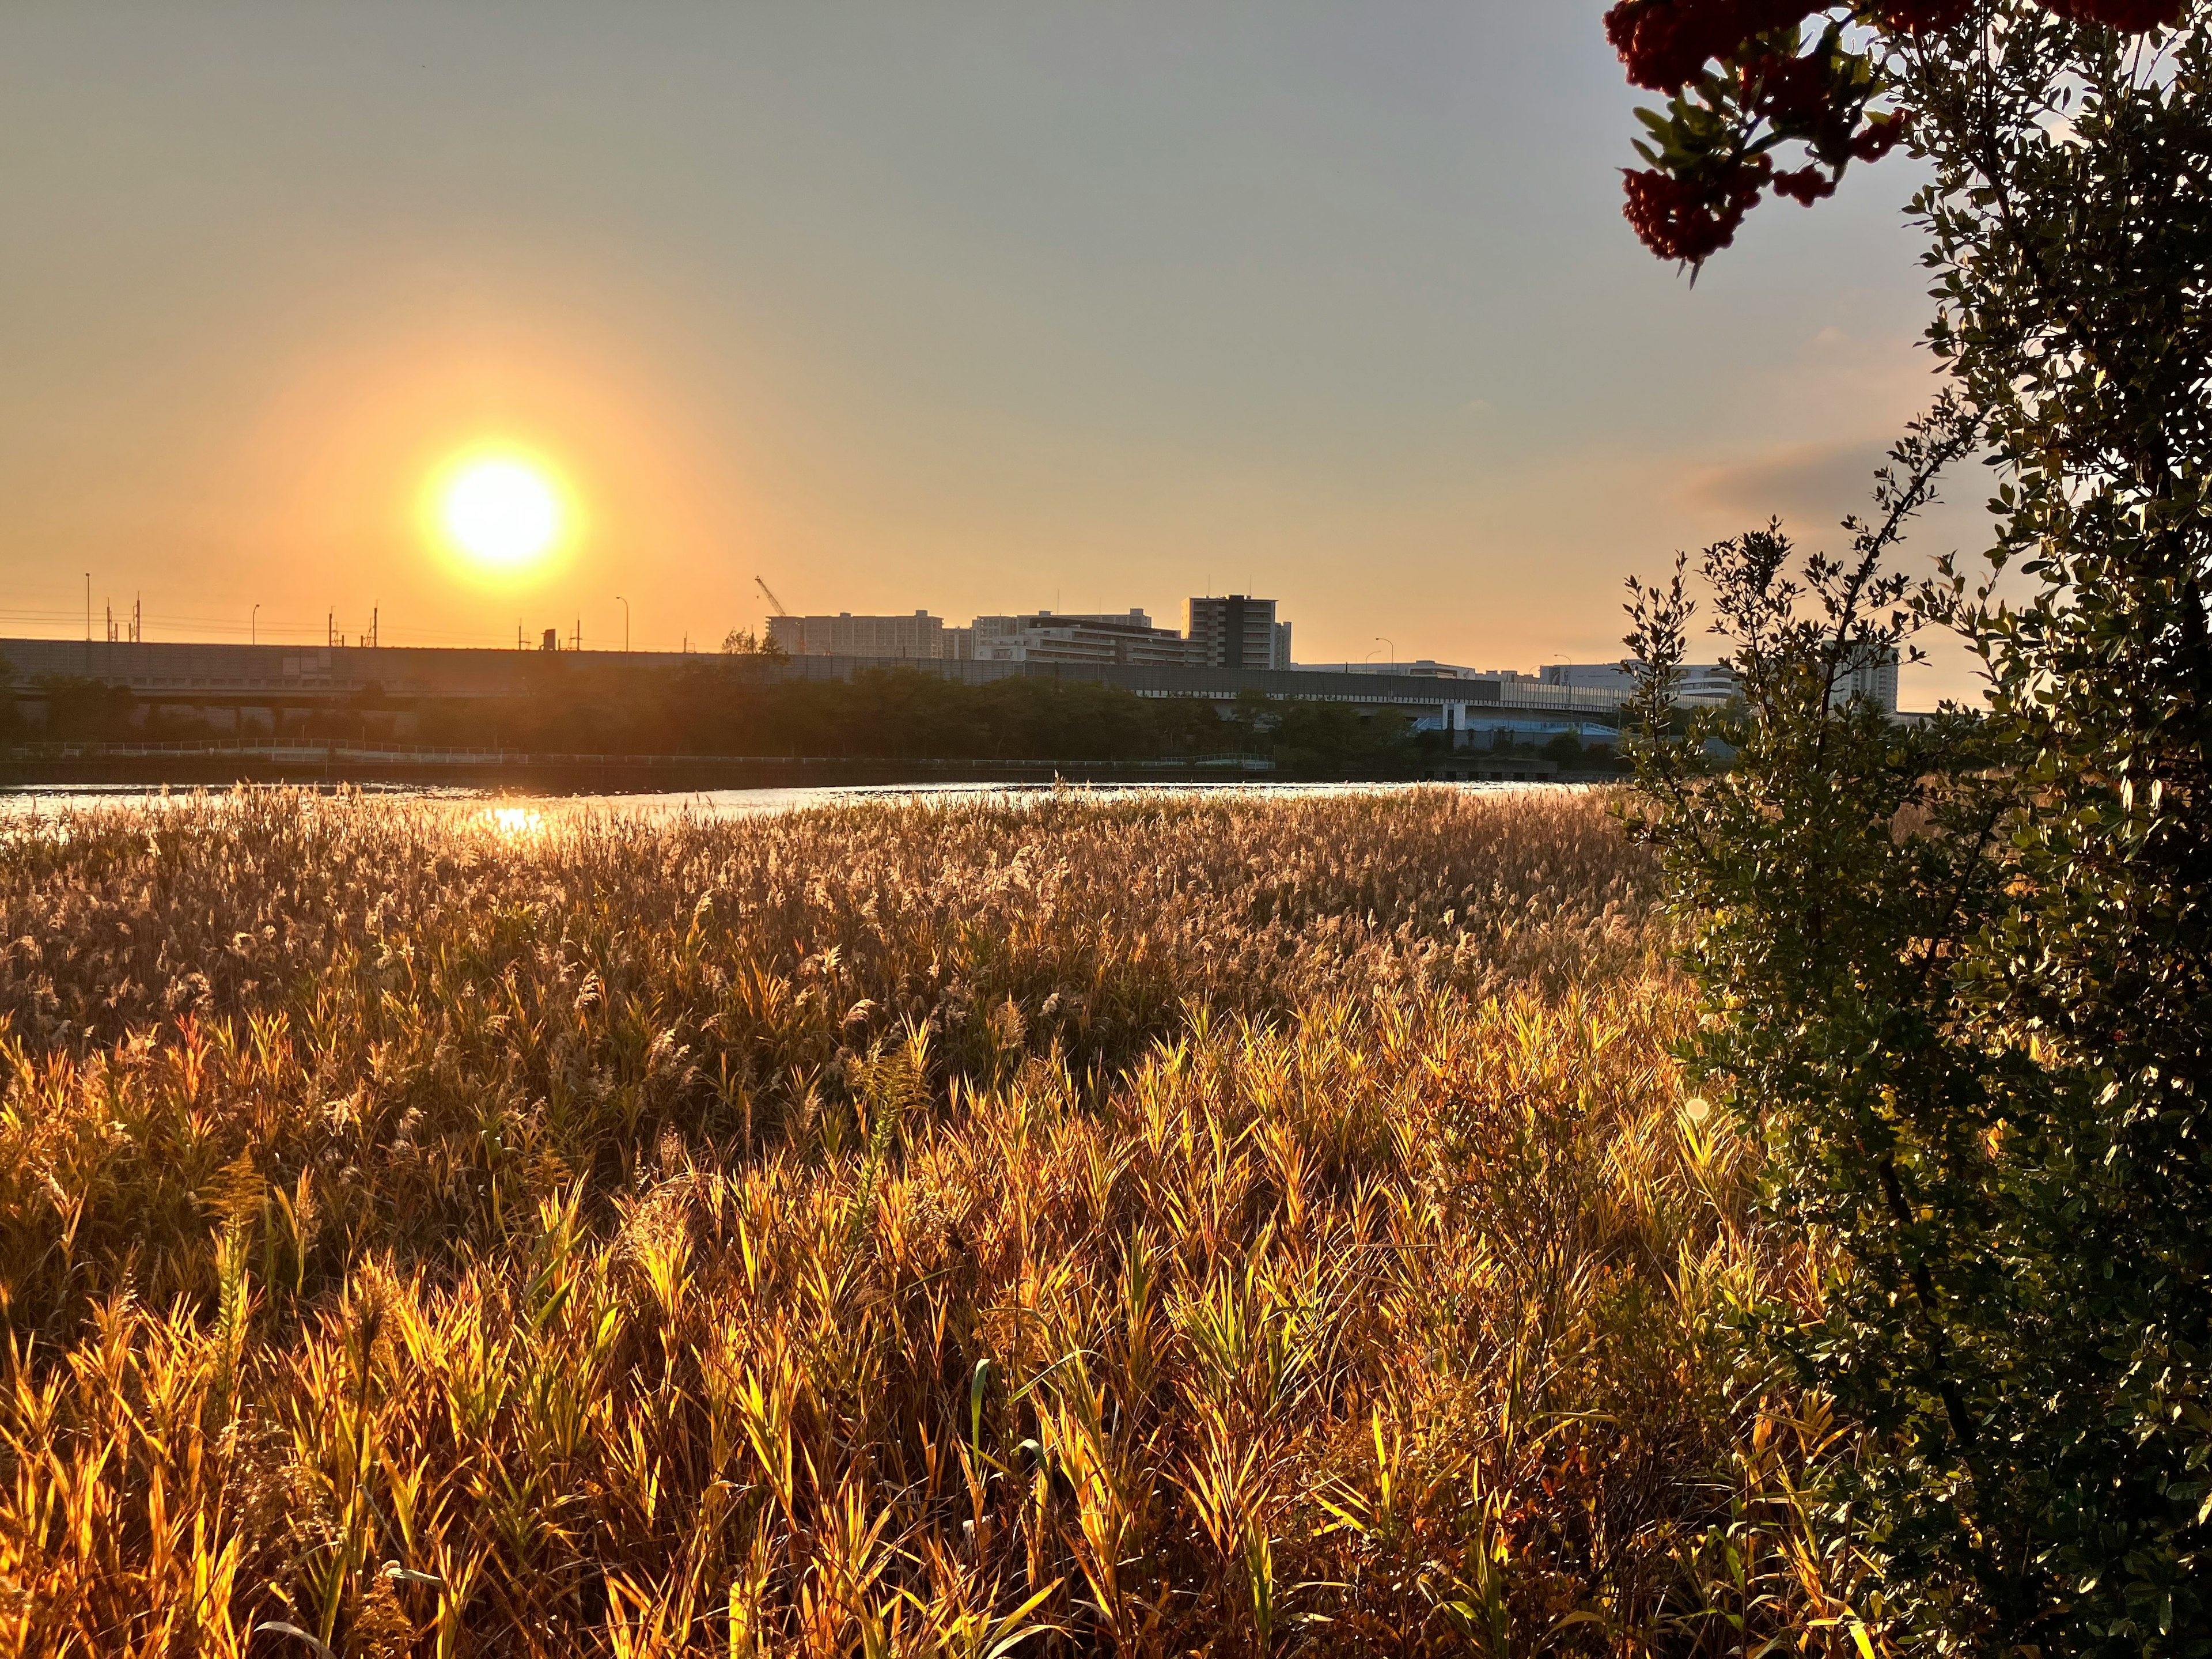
722	705
704	708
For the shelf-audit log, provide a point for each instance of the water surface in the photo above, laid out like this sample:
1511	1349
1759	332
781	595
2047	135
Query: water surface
27	802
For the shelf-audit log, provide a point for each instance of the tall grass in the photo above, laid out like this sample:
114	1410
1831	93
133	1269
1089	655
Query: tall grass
1240	1227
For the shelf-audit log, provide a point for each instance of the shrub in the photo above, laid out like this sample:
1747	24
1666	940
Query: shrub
1958	972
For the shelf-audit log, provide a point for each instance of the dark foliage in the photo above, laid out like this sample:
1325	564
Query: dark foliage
1746	78
729	707
1961	970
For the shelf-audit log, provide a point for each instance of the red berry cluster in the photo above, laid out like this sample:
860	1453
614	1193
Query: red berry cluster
1693	219
1667	43
1689	209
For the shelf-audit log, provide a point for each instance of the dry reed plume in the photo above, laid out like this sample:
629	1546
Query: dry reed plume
1134	1227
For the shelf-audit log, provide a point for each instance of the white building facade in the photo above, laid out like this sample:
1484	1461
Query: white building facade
920	636
1091	637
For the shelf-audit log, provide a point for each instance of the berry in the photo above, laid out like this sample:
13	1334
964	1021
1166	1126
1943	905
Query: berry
1805	184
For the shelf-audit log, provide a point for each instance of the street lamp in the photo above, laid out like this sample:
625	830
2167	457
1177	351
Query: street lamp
1392	644
253	626
625	605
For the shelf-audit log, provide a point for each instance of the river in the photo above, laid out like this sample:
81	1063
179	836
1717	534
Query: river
21	803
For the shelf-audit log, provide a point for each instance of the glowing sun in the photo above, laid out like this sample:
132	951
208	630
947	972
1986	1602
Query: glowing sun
500	510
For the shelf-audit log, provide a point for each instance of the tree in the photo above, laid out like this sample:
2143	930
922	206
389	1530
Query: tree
1961	971
84	708
1746	79
744	643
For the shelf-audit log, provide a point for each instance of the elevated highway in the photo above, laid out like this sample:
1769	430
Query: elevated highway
284	679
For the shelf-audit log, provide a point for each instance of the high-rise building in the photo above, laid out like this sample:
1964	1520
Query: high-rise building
920	636
1874	677
1238	631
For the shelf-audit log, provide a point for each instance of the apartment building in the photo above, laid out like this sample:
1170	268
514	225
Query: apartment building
1044	636
918	637
1238	631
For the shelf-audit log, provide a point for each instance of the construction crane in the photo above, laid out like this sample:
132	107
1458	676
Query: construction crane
775	604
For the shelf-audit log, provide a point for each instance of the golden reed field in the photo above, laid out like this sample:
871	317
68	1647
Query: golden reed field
1151	1227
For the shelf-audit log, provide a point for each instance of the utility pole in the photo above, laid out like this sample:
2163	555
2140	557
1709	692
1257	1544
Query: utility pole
625	605
87	607
375	629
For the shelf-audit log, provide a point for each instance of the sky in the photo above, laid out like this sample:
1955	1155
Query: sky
979	306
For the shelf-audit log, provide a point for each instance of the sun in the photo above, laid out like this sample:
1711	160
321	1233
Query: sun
501	510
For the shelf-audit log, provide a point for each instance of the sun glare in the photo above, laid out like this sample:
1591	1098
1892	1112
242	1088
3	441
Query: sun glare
500	510
514	823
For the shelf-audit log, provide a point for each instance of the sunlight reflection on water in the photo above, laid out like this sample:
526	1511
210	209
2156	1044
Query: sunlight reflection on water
511	816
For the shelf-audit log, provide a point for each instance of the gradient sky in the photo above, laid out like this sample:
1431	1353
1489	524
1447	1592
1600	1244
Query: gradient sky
974	305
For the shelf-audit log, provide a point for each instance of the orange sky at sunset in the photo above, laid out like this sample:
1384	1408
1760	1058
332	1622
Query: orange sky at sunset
1001	309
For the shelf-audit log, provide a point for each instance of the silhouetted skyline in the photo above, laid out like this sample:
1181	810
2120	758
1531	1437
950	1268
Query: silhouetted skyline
975	307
